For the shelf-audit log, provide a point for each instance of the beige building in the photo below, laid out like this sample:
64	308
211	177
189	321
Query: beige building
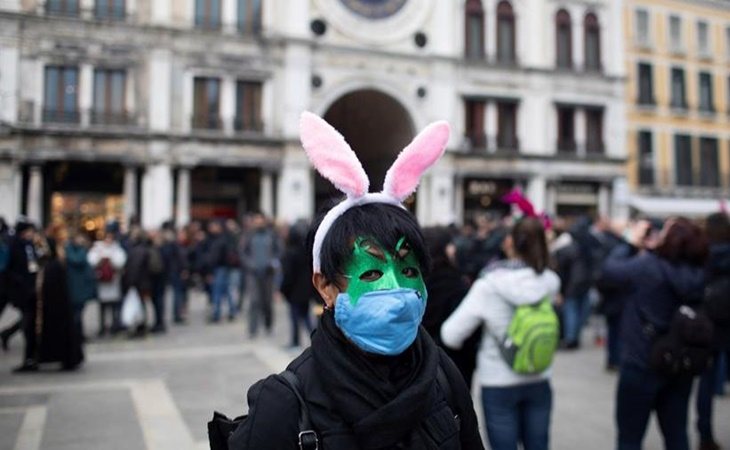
678	105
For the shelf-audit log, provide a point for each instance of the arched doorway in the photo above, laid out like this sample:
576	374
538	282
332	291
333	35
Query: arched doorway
377	127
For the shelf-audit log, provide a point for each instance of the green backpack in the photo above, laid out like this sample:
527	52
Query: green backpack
532	338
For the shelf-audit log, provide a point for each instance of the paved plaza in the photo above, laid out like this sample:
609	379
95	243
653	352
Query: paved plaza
159	392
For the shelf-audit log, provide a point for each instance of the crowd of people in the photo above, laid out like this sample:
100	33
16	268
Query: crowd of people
51	275
633	277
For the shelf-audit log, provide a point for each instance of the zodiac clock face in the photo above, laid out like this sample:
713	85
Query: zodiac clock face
374	9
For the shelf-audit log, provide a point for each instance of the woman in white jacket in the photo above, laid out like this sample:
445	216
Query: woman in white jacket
516	407
107	257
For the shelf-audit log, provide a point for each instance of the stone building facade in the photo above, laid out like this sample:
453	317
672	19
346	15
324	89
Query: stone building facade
188	109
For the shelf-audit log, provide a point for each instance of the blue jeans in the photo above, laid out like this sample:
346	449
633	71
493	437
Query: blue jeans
221	289
518	414
575	314
639	392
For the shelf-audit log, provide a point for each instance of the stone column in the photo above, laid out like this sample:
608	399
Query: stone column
229	15
228	104
266	193
295	193
537	192
156	195
35	195
459	199
580	131
491	126
604	200
159	78
10	191
182	215
129	194
86	92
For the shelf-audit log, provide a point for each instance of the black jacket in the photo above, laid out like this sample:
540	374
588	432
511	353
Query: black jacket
20	281
654	289
718	269
446	289
274	410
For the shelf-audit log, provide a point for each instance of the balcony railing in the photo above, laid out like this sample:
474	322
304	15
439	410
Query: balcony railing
110	118
475	141
244	124
567	146
507	143
61	116
595	147
207	122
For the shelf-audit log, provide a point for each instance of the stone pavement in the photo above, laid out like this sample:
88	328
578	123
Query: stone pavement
159	392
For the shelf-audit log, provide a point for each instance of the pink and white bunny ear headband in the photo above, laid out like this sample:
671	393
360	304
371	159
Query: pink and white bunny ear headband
336	161
516	197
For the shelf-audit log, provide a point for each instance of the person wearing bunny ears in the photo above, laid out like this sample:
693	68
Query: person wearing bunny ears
372	377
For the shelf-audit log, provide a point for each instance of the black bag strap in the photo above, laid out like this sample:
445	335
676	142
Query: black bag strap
308	439
445	385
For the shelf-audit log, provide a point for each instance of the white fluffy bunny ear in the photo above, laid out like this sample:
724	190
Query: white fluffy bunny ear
332	156
404	175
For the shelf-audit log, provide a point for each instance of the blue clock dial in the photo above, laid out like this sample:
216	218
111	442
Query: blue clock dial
374	9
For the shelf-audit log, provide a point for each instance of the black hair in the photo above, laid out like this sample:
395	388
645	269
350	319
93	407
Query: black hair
380	221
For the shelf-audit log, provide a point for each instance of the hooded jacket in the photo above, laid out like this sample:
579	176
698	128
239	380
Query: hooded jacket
491	301
654	289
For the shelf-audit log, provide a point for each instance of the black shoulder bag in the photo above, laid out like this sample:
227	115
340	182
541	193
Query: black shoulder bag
221	427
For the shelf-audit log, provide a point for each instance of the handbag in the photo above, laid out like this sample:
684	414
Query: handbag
132	309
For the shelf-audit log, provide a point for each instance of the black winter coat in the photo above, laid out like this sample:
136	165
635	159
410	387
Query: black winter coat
718	268
654	289
446	289
332	398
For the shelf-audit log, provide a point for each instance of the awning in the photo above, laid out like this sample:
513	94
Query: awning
675	206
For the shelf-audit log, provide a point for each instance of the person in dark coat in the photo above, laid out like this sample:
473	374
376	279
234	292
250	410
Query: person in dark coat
446	289
718	277
4	290
296	284
81	277
657	278
577	265
137	274
21	273
365	391
177	271
59	339
611	300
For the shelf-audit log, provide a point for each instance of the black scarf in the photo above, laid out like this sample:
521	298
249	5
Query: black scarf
383	399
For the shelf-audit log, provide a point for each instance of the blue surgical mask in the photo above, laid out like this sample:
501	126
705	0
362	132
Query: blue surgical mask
384	322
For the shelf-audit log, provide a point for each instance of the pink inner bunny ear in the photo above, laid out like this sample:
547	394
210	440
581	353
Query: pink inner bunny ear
332	156
404	175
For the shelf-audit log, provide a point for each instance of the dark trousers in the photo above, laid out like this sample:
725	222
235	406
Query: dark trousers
613	340
706	390
299	314
179	297
29	329
518	414
641	391
158	302
114	309
261	299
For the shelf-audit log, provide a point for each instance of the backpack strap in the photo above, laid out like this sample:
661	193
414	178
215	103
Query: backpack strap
308	439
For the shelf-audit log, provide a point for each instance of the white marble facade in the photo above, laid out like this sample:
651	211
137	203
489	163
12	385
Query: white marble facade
162	52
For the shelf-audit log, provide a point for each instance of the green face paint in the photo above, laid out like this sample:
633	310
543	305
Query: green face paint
372	268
